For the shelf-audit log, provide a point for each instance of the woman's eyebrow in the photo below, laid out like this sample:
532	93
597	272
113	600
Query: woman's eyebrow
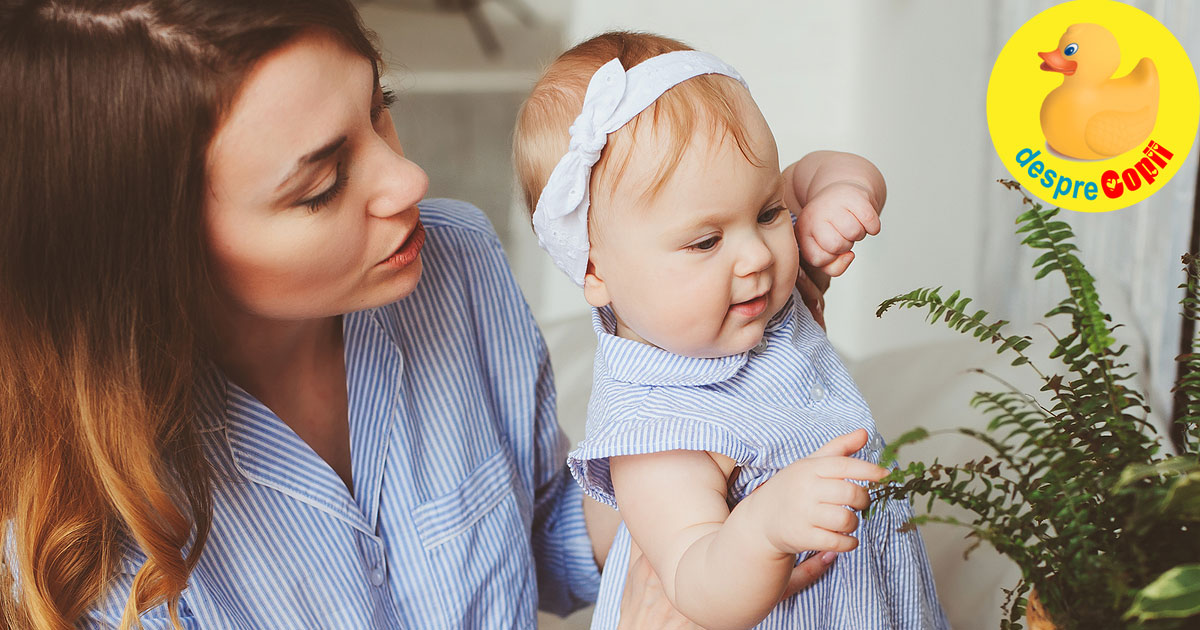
312	158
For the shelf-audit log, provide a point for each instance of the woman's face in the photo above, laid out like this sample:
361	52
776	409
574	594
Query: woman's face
309	192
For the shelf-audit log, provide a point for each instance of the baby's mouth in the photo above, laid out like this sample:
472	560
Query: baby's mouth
751	308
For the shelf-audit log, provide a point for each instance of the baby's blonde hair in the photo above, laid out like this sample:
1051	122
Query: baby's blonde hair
542	135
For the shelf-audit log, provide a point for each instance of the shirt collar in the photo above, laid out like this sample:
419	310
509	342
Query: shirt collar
631	361
264	449
212	386
212	389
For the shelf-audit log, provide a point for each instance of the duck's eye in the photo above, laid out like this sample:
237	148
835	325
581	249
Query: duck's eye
1071	49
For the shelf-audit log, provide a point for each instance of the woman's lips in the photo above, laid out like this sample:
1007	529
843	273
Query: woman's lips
751	308
409	249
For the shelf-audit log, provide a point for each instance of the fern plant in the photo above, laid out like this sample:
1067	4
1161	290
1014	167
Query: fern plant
1076	490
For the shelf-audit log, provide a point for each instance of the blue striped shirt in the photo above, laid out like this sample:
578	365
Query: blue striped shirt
764	408
463	515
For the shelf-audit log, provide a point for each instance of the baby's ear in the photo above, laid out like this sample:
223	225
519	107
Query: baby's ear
595	291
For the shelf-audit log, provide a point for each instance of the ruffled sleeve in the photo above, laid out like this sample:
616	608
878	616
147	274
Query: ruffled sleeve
647	430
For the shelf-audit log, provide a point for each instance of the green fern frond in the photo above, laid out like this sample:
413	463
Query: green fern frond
1053	236
953	312
1188	385
1074	489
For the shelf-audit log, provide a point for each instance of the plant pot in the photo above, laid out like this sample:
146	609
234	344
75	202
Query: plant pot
1035	614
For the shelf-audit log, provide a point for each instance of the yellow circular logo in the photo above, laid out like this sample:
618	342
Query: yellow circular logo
1092	105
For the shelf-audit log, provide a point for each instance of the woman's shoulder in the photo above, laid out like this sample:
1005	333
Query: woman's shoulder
463	247
467	275
107	611
455	215
461	243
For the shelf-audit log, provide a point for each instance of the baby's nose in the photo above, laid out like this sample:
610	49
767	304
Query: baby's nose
754	258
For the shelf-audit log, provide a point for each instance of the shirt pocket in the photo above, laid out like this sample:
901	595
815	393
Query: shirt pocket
477	541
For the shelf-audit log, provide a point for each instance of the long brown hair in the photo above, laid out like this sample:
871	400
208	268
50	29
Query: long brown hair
107	111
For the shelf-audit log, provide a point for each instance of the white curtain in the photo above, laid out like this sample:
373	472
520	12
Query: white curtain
1134	253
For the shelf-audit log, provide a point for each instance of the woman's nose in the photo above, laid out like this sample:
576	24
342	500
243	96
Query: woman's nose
399	184
753	257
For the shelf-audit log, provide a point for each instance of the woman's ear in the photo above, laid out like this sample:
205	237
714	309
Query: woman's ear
595	291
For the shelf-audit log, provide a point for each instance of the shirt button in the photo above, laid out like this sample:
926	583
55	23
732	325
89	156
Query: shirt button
760	346
876	443
377	576
817	393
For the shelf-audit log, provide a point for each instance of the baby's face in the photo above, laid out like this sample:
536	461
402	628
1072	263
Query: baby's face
700	268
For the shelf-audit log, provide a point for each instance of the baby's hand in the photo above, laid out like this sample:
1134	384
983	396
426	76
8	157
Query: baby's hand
803	507
836	217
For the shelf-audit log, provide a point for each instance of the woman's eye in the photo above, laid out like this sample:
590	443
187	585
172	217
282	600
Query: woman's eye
706	244
321	200
770	215
389	98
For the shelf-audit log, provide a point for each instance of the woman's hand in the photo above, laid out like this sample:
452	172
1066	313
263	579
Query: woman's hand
644	604
813	298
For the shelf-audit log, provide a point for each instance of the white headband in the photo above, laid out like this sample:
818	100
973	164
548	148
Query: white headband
614	97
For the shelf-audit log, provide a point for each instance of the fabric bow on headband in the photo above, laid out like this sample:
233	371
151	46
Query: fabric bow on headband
614	97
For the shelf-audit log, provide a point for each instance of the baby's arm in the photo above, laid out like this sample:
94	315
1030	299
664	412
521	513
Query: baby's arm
601	522
727	569
837	198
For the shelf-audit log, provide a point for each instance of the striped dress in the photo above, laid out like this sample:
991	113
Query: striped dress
764	408
463	514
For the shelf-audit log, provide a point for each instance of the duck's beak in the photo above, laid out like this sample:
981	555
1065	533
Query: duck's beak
1054	61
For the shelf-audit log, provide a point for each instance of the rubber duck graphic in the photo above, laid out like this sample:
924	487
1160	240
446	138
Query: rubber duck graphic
1091	116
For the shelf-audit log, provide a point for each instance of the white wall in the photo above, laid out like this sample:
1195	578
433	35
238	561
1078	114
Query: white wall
900	84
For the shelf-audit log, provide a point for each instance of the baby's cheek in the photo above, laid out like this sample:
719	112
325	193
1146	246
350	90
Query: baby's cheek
787	258
685	306
712	329
683	329
790	271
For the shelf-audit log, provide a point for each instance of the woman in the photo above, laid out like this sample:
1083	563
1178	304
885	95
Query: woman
245	381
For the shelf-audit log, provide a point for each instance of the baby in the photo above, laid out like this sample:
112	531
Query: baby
711	375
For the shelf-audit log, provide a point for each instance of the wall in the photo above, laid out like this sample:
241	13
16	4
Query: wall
903	82
901	86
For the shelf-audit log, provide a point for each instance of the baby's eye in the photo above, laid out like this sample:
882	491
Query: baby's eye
770	215
1071	49
706	244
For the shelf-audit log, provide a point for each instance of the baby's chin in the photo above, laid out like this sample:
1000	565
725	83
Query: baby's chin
747	346
730	338
726	347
